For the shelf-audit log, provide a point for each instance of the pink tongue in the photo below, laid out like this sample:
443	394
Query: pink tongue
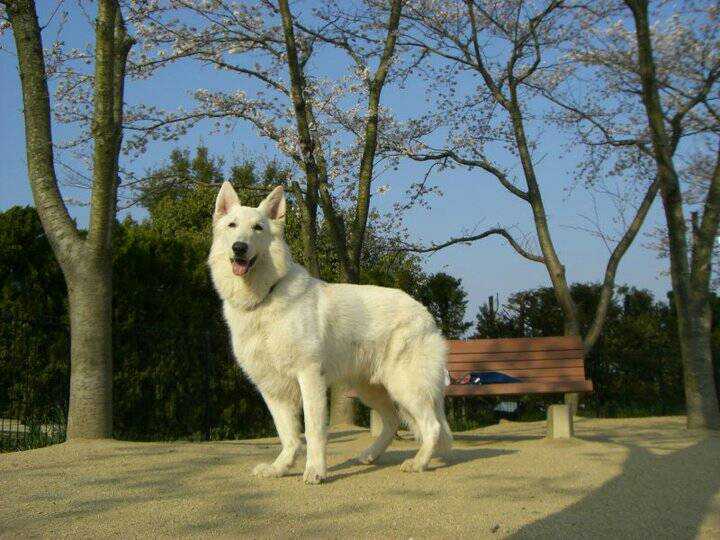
240	268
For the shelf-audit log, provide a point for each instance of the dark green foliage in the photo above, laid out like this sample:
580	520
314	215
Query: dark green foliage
34	330
445	298
173	373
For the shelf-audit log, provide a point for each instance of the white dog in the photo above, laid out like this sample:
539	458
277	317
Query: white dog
294	335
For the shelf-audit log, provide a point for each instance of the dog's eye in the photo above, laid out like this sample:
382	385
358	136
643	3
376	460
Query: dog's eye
232	224
257	227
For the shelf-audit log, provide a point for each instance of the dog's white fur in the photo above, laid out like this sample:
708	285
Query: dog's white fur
294	335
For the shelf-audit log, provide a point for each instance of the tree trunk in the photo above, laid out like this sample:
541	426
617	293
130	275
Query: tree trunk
555	268
690	281
308	228
90	297
572	399
700	393
342	408
365	175
85	262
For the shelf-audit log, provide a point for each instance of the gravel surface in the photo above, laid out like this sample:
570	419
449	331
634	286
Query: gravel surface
630	478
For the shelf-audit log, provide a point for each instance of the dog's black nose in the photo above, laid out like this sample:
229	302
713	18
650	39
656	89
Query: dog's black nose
239	248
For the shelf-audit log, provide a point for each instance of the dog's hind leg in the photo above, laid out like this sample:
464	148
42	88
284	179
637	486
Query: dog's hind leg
376	397
423	411
286	414
407	419
420	402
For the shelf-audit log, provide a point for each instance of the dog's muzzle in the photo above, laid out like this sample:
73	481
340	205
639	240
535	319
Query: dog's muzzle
241	265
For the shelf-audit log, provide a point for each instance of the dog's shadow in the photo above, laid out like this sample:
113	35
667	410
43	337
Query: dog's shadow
394	458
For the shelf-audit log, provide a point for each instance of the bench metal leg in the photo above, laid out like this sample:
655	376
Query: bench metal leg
376	424
559	422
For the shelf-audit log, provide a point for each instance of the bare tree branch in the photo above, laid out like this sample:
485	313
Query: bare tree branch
608	286
469	239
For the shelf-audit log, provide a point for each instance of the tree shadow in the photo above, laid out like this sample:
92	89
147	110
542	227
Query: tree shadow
669	493
110	489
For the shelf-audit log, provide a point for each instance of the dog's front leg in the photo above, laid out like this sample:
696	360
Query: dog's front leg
313	389
286	414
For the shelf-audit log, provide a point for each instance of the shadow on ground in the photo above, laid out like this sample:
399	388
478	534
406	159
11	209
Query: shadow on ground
669	493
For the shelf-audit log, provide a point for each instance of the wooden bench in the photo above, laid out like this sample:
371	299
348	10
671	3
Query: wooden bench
546	365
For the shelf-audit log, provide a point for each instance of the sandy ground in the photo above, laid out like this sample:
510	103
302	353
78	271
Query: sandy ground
633	478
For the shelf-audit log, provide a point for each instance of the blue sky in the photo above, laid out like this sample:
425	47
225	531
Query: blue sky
472	200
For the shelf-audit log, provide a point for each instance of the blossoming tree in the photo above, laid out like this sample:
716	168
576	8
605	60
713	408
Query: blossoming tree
85	259
326	124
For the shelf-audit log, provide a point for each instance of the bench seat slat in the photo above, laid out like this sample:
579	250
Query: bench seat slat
577	372
516	364
513	389
515	344
510	356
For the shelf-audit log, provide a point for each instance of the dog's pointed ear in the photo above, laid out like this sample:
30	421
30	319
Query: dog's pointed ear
226	199
274	204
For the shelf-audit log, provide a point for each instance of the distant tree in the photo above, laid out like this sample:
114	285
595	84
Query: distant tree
446	299
180	195
536	312
492	321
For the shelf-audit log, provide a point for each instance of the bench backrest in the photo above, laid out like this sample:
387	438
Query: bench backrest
550	364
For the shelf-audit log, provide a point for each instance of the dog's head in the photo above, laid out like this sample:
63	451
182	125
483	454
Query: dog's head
244	234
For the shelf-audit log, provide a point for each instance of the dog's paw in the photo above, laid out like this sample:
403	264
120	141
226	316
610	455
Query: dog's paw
410	465
367	457
266	470
313	475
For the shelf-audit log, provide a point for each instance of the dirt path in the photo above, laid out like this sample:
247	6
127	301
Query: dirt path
639	478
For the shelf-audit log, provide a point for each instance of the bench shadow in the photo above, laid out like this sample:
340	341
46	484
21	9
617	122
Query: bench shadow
671	492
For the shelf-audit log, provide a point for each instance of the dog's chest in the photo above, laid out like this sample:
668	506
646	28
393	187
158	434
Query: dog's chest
260	343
